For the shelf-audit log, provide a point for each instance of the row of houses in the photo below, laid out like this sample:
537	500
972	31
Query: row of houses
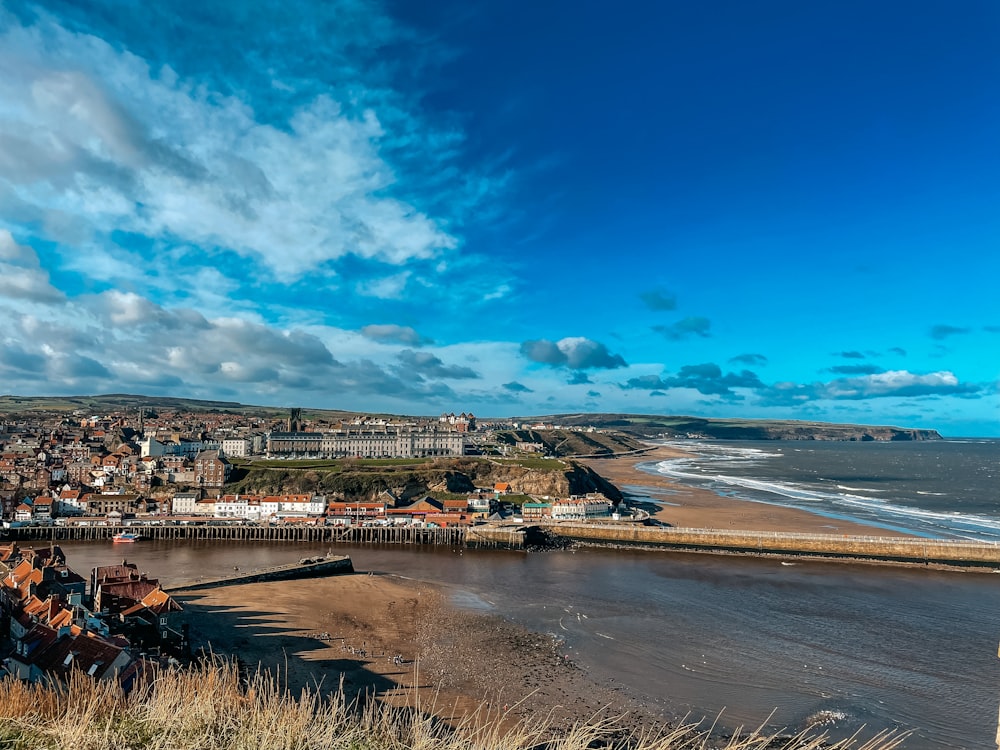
80	508
387	509
54	629
255	508
69	503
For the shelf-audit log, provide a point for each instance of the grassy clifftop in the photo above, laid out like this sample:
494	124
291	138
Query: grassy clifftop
573	442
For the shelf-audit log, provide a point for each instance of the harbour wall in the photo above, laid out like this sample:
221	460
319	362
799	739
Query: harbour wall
894	549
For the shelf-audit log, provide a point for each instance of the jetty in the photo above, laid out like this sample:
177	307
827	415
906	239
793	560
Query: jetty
309	567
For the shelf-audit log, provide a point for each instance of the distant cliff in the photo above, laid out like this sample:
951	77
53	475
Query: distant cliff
650	426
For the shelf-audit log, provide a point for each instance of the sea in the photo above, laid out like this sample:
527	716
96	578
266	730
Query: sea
742	641
946	489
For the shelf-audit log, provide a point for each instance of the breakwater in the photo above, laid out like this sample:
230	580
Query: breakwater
314	567
888	549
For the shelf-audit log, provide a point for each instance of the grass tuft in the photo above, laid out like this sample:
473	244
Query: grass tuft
216	707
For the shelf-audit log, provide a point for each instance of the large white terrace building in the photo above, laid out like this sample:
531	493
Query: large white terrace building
367	443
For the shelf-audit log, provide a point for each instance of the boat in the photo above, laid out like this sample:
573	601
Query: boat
124	536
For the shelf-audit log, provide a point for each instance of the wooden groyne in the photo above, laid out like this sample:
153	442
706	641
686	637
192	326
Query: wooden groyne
453	536
316	567
894	549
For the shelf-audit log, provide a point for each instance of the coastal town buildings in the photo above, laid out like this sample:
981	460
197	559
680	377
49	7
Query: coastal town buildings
237	447
51	630
211	469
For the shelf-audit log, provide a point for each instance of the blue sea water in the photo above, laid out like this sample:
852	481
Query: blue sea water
948	489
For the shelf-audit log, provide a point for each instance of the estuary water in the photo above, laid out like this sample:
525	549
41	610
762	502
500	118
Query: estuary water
694	634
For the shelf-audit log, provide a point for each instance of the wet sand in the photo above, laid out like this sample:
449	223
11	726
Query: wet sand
695	508
401	641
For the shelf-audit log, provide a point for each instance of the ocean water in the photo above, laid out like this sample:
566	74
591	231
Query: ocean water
937	489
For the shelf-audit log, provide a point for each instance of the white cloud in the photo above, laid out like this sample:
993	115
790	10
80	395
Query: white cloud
388	287
892	382
89	133
21	274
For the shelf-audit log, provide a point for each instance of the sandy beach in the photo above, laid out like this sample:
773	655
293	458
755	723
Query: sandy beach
401	641
690	507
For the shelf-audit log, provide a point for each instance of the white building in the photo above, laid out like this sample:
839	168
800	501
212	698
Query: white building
298	506
238	447
183	503
204	507
387	442
150	446
581	508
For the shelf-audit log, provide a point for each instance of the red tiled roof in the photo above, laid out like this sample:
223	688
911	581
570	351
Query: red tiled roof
158	602
109	573
133	590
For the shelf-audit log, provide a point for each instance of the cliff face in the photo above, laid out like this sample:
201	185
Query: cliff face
573	480
792	431
452	475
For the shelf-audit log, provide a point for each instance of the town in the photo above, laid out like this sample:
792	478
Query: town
52	624
136	467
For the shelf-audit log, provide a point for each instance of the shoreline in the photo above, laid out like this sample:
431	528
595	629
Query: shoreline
682	506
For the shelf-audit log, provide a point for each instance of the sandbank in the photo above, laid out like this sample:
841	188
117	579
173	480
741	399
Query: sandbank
401	641
696	508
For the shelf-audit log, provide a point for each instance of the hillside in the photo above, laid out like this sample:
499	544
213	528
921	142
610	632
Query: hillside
364	480
633	426
111	402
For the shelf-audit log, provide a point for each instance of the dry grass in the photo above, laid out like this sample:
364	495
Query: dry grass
214	707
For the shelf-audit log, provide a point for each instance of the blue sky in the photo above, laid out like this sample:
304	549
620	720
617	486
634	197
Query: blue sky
777	209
